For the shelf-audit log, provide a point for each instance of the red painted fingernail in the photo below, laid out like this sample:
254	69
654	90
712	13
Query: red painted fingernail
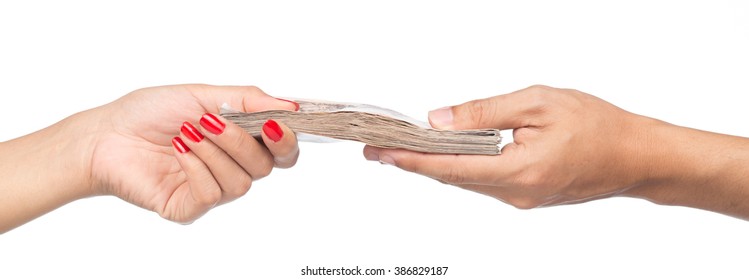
296	105
273	130
179	145
212	124
192	133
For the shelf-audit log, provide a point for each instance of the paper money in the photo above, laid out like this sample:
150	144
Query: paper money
372	125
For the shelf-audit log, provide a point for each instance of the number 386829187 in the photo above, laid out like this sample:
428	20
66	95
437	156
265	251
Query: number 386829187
421	270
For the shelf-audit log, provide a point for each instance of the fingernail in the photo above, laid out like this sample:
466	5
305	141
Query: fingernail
212	124
296	105
372	156
442	117
192	133
273	130
387	160
383	159
179	145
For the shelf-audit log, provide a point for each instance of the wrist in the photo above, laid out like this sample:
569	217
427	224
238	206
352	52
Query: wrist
66	149
693	168
63	155
45	170
662	163
77	136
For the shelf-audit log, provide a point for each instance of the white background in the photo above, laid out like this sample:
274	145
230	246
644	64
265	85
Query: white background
684	62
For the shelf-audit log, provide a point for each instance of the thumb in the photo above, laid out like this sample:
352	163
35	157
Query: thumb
507	111
243	98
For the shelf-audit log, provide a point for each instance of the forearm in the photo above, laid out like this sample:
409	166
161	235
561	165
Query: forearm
697	169
44	170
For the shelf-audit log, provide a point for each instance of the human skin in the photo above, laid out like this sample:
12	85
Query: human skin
127	148
572	147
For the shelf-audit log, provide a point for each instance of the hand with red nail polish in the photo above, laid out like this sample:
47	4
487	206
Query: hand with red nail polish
212	124
165	149
272	130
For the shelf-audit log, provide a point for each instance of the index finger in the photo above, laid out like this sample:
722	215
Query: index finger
452	169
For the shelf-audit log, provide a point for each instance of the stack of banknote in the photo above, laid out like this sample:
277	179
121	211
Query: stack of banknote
372	125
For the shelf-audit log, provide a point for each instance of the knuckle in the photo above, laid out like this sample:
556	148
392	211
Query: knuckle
454	176
209	198
213	155
180	218
166	214
538	98
538	88
253	89
263	171
286	161
243	186
237	141
524	203
192	166
480	112
531	179
442	181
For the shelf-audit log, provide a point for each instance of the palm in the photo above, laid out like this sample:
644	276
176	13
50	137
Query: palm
135	160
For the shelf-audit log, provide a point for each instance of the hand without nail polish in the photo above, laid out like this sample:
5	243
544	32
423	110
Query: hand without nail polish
442	117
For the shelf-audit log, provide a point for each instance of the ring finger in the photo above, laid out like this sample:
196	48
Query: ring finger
233	180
